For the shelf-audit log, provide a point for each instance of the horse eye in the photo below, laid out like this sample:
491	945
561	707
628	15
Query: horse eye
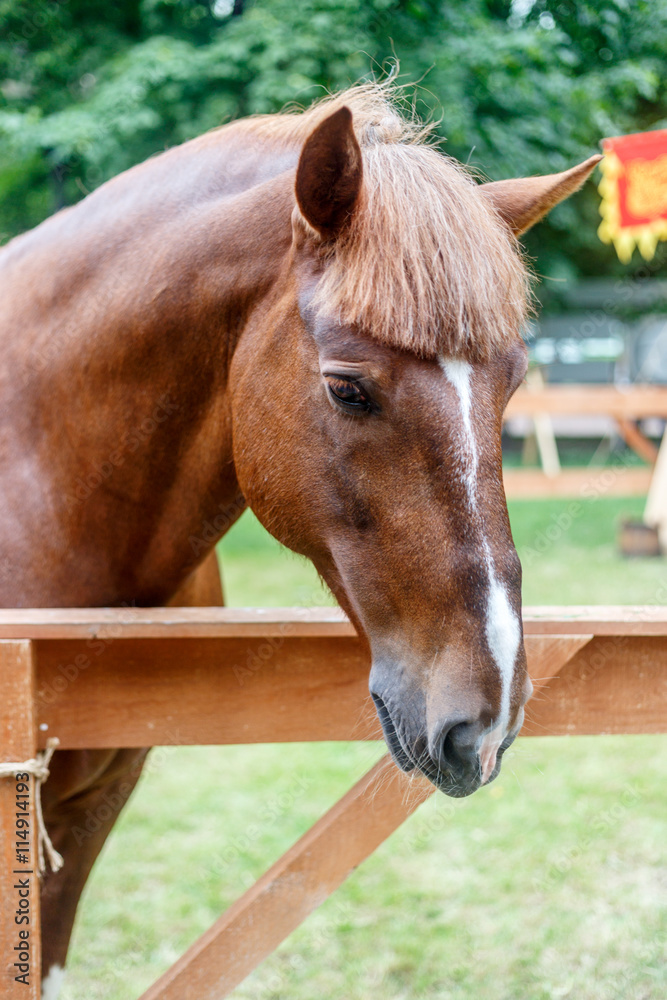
348	394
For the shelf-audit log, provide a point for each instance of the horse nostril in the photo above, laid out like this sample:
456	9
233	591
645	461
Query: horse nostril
455	747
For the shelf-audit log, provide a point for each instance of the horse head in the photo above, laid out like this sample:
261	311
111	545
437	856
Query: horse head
379	370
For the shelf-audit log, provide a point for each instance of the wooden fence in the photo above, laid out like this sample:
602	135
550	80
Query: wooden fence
98	678
625	405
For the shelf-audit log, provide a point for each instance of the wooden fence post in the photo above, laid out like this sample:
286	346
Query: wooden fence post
20	940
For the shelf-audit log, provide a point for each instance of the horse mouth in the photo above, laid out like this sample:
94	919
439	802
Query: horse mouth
444	781
391	737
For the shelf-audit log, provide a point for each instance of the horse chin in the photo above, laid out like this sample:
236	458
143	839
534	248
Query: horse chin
451	785
454	789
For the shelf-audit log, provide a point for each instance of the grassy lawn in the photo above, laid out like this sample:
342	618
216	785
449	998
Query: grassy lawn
548	884
568	552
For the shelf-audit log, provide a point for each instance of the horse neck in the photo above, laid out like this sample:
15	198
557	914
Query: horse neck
136	299
180	247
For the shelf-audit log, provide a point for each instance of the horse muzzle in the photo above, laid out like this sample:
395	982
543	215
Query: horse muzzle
458	757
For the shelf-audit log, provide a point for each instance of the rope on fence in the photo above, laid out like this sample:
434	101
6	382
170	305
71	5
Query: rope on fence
38	767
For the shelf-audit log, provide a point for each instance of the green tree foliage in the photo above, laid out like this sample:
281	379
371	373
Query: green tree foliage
87	89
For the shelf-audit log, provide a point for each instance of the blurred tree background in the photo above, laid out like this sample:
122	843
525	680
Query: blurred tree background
90	88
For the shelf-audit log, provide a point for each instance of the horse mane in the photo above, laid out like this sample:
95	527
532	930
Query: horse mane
425	264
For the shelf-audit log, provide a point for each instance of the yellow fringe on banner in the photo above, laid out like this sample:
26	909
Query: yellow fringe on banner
646	182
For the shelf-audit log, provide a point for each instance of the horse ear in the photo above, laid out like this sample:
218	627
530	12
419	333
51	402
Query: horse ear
328	178
522	201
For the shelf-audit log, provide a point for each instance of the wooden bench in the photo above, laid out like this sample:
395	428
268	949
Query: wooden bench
138	677
623	404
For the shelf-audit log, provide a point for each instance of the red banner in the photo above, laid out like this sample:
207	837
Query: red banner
634	193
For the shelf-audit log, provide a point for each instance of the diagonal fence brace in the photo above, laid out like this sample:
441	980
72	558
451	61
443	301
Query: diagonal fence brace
294	886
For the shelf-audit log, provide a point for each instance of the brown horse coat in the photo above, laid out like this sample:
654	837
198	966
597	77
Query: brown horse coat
317	315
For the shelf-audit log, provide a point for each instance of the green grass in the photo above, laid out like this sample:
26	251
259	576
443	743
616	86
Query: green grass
258	571
575	453
569	553
567	548
548	884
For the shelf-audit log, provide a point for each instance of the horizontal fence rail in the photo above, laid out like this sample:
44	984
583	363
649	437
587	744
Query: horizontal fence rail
133	677
624	405
128	677
633	402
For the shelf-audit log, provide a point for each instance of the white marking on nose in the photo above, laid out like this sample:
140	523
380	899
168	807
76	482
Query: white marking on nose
503	635
458	373
488	753
502	627
52	983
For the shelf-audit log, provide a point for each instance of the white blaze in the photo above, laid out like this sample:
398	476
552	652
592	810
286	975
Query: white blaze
503	632
503	636
52	983
458	373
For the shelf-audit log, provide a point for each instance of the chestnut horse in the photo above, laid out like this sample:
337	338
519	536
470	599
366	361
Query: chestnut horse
315	315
